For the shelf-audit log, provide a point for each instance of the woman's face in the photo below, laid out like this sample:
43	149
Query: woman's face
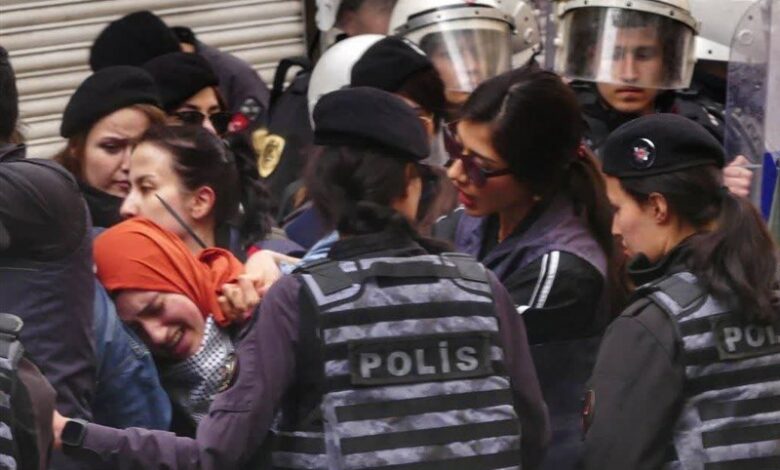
152	177
204	102
635	225
169	324
107	150
499	193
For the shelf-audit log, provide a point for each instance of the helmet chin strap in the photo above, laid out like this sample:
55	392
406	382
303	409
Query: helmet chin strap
181	221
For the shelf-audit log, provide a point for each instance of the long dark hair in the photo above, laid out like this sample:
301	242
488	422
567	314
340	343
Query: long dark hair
537	130
733	252
202	159
353	189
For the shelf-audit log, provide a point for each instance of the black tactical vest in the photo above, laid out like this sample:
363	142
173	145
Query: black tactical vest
11	353
730	418
413	374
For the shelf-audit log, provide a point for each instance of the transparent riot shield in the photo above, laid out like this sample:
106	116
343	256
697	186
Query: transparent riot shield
753	101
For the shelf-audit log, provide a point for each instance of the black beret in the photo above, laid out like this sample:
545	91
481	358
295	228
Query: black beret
659	143
179	75
133	39
370	117
388	63
104	92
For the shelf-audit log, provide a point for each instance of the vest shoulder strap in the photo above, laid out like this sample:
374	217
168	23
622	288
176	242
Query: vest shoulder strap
676	293
331	278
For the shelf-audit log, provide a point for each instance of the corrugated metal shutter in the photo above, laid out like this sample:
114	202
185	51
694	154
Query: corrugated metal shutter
49	42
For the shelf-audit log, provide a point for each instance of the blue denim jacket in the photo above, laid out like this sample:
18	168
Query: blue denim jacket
128	391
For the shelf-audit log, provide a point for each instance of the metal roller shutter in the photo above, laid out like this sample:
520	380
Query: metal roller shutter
49	41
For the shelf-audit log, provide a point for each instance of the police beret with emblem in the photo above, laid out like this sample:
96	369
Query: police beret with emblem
105	91
369	117
180	75
657	144
388	63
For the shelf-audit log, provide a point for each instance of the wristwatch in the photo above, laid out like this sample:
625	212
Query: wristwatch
73	433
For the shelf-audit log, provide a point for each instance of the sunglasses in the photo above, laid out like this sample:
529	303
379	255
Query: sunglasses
476	174
220	120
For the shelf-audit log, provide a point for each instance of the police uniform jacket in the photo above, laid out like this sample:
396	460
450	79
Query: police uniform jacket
637	389
239	418
601	119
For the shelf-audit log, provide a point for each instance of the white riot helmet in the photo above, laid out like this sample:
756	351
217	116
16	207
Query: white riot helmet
467	41
334	69
638	43
719	19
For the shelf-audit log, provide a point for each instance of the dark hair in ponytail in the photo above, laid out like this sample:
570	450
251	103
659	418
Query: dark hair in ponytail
353	189
733	253
537	129
254	221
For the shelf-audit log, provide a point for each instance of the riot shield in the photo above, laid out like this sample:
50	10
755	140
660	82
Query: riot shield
753	98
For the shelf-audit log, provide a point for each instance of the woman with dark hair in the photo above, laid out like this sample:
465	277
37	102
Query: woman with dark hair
403	355
190	96
185	179
102	121
535	212
534	204
687	376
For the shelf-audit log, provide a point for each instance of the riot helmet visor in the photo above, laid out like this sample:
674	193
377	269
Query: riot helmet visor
626	47
464	55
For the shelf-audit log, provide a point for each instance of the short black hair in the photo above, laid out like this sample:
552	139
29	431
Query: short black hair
9	98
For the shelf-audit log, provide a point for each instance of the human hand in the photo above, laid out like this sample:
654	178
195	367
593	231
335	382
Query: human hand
58	423
263	267
239	299
737	177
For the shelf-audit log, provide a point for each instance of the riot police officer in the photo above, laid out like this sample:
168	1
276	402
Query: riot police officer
388	353
688	374
629	59
468	42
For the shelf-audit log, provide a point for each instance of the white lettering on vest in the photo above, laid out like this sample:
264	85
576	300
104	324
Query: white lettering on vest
770	333
444	353
399	363
368	362
732	336
422	368
754	336
467	360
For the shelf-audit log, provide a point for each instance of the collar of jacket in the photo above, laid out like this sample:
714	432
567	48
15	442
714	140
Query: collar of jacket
9	152
642	271
386	243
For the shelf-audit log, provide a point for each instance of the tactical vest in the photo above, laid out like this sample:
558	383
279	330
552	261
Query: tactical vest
730	418
11	352
413	370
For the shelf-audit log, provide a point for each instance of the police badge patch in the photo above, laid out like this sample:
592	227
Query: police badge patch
268	149
642	154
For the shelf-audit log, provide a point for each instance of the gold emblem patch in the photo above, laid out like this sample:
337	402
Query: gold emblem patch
268	148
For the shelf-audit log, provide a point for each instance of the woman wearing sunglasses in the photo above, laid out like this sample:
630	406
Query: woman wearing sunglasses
188	91
535	211
102	121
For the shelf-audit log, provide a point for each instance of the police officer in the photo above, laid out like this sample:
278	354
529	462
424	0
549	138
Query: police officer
629	59
388	353
689	374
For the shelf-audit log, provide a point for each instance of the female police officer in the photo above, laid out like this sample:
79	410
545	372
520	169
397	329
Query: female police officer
386	354
689	374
